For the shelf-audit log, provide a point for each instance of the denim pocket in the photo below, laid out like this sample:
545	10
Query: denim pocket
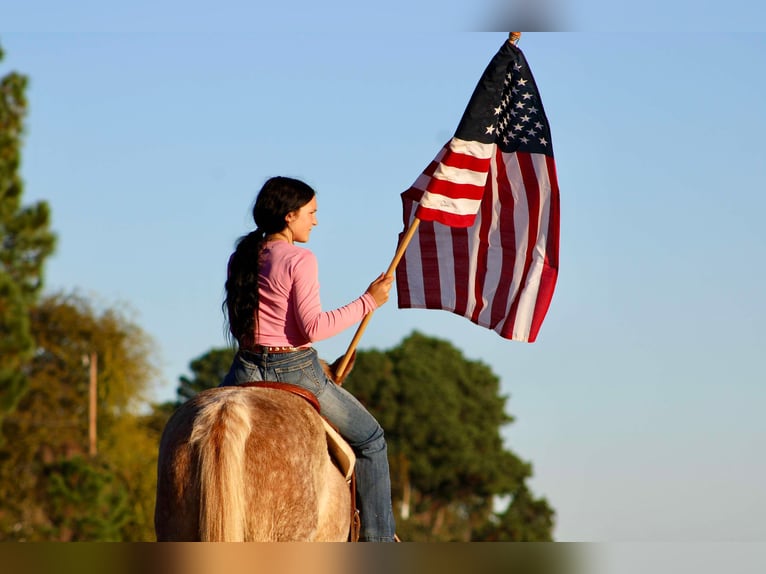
302	374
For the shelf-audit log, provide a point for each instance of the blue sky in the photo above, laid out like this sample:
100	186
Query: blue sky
151	128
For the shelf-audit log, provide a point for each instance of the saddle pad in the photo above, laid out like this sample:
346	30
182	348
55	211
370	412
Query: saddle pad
340	450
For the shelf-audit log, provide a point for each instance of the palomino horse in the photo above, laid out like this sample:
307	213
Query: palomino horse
249	464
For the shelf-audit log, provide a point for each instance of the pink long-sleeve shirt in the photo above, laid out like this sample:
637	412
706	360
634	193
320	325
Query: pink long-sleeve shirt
290	312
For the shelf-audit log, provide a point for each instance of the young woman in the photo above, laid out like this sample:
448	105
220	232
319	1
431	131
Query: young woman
274	313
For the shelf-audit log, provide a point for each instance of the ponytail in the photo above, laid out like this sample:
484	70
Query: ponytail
241	303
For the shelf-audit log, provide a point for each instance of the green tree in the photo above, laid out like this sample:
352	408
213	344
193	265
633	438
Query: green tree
443	415
84	500
50	426
526	519
208	370
25	243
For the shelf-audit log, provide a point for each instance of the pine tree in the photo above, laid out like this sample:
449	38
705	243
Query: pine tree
209	369
25	242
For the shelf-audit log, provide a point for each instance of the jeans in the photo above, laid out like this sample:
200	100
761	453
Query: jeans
348	415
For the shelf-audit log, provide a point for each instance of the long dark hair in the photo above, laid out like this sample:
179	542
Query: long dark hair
278	197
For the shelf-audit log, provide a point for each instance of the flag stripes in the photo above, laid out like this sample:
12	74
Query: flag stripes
458	175
501	272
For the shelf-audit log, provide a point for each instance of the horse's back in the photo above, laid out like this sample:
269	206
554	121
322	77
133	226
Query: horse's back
248	464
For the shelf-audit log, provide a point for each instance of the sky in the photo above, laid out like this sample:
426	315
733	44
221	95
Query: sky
153	124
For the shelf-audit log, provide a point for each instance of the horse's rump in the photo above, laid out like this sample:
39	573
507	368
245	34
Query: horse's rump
248	464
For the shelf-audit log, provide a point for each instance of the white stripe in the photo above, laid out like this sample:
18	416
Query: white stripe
528	296
443	236
473	259
460	175
449	205
494	254
472	148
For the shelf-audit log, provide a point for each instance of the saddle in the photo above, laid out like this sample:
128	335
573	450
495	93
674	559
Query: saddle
340	451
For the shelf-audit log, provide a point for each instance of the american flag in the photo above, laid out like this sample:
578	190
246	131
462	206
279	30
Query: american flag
487	244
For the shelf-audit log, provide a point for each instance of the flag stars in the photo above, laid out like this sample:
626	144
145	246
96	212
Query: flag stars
520	105
543	141
499	109
526	95
490	130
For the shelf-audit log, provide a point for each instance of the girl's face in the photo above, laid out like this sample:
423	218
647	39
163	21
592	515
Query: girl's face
301	222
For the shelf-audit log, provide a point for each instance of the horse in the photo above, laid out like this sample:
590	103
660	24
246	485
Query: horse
247	463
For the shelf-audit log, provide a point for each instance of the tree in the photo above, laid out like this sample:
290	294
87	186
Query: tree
208	370
25	242
84	500
442	415
49	429
526	519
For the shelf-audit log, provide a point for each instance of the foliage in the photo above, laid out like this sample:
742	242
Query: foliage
442	415
25	242
526	519
49	429
84	501
208	370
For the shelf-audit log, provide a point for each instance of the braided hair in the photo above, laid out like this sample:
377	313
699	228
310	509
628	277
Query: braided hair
278	197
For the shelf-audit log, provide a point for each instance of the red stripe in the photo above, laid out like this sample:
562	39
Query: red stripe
552	248
430	264
481	255
550	271
507	237
403	293
451	219
431	168
461	265
532	191
463	161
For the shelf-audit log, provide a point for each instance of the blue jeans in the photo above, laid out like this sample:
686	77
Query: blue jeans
348	415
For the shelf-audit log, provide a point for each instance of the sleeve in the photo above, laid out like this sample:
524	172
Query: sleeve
315	323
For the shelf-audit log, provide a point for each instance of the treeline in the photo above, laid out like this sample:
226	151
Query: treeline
452	477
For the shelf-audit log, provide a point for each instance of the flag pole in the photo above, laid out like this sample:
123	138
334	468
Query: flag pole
363	325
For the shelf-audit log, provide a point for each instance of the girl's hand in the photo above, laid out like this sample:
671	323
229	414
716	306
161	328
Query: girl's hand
380	288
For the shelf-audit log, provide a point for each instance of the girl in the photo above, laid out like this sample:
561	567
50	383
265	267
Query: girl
274	313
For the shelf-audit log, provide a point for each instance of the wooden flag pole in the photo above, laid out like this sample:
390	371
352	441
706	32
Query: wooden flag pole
363	325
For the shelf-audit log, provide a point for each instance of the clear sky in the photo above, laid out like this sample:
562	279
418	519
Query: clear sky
153	124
